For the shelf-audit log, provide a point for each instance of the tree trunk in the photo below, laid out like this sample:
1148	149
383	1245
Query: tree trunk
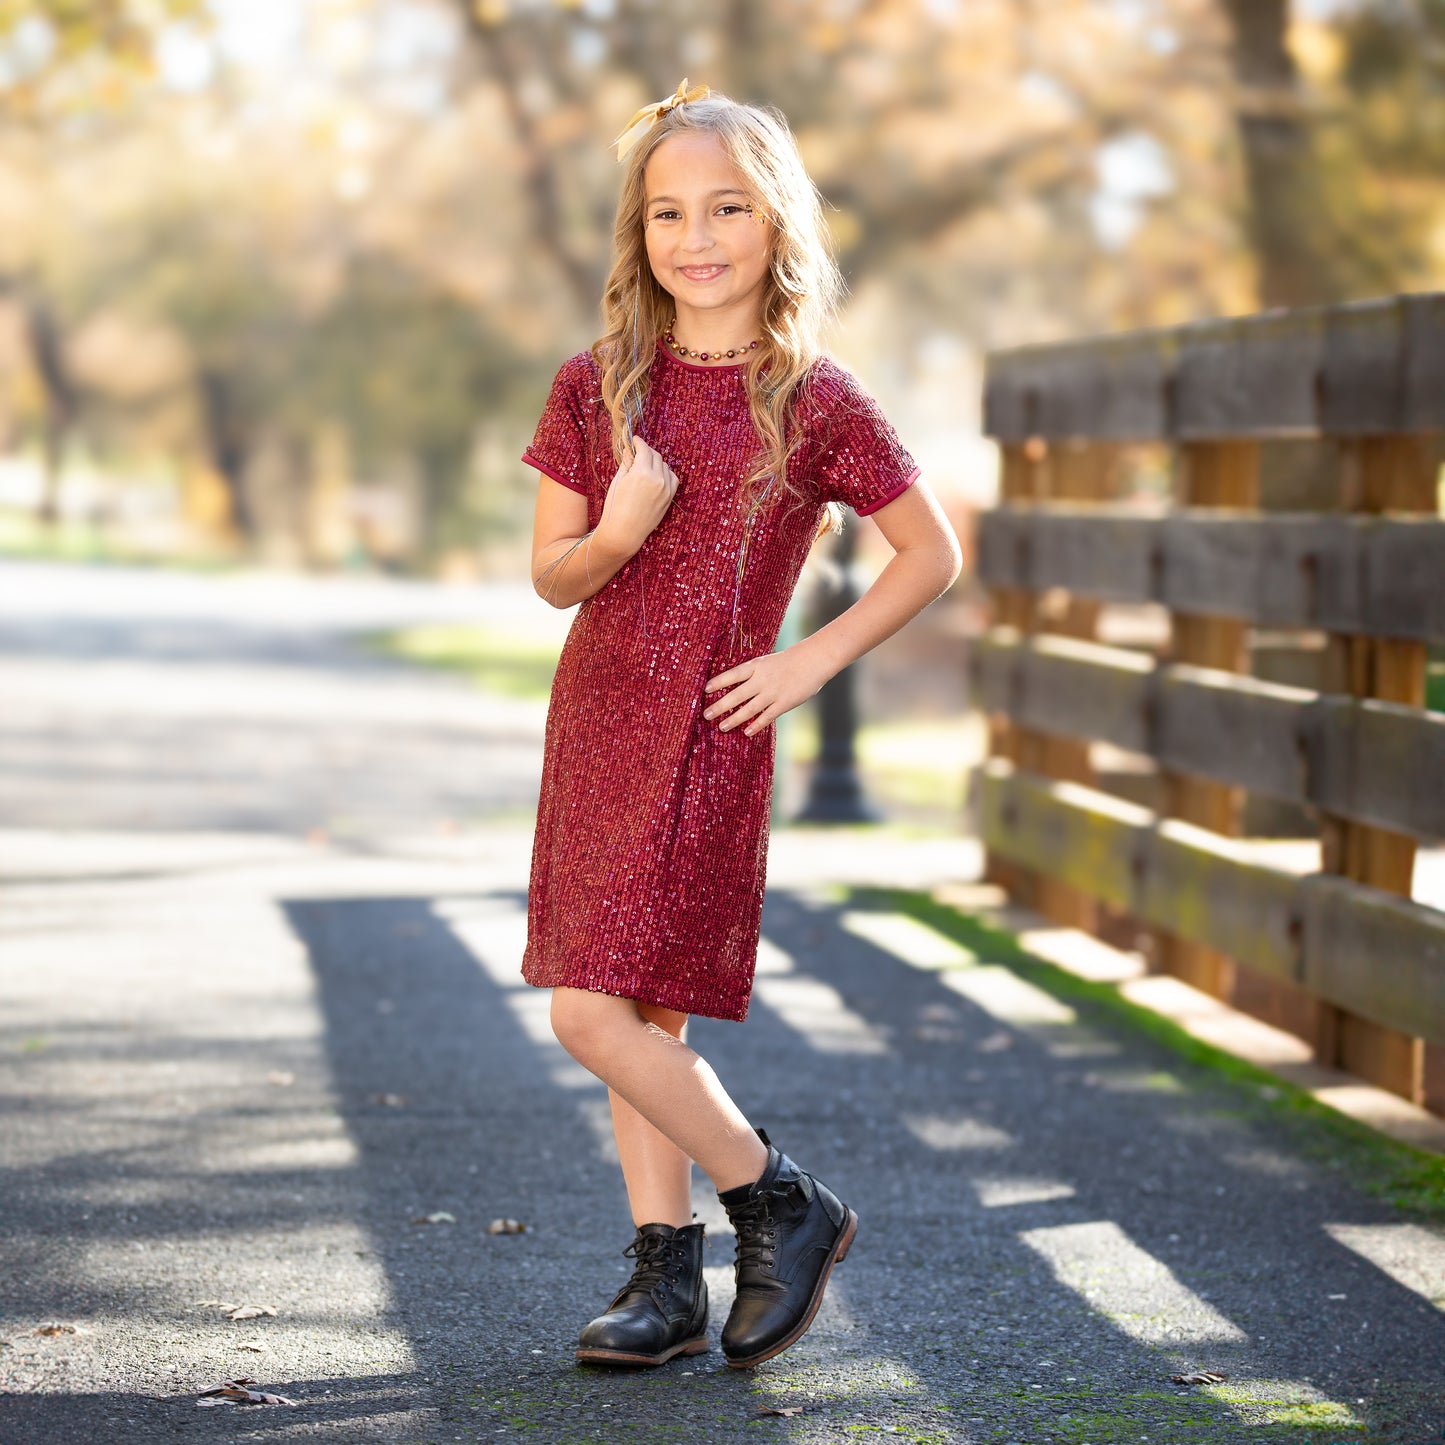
229	445
62	402
1292	232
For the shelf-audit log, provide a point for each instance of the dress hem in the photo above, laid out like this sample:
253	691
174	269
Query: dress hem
659	998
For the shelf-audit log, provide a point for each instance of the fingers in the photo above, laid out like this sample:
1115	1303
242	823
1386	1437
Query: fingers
726	679
742	703
648	459
746	713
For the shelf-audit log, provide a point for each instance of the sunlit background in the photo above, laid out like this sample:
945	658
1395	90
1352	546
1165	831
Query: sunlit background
285	280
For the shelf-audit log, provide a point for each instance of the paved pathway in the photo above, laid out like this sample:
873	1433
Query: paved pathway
260	915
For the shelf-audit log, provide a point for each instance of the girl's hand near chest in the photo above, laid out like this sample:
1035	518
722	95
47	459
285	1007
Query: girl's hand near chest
637	500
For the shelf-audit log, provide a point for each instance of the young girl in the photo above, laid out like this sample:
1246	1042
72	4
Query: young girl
688	462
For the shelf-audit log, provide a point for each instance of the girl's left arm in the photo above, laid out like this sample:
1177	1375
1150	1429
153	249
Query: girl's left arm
925	562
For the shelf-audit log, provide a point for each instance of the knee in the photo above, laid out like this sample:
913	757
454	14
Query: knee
586	1024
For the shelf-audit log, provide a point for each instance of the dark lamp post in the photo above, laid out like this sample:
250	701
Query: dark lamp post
835	793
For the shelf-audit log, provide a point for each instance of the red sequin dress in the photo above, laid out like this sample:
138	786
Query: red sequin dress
649	858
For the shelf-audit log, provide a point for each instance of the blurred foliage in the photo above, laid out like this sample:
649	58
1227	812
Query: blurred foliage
308	256
75	54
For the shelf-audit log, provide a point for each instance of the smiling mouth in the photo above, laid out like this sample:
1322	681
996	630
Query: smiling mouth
701	273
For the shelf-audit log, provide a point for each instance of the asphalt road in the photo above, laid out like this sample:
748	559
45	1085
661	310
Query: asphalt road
261	907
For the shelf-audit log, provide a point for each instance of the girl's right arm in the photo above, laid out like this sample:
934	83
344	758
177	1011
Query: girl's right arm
569	563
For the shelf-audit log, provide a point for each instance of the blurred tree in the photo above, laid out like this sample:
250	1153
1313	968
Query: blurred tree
410	370
64	56
389	235
1296	243
917	120
1342	156
61	59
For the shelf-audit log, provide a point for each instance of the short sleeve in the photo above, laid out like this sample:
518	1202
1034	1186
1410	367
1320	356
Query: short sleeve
856	456
560	448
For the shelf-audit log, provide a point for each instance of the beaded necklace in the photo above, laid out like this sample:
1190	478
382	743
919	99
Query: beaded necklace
681	350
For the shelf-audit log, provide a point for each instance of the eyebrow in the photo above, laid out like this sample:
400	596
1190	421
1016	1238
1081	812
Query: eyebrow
711	196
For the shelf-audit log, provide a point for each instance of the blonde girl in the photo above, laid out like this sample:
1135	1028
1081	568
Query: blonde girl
688	462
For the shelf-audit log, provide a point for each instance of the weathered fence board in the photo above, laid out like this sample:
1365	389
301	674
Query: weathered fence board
1059	685
1250	376
1382	367
1380	957
1366	369
1377	763
1377	955
1382	577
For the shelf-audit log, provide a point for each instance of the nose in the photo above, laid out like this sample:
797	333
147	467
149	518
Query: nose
697	233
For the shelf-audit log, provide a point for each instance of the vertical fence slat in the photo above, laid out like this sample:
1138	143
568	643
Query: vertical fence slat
1380	474
1209	474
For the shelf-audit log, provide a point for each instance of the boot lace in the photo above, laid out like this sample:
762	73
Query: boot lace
756	1237
657	1268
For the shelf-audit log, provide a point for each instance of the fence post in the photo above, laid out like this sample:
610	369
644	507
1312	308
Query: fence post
1019	480
1209	474
1380	474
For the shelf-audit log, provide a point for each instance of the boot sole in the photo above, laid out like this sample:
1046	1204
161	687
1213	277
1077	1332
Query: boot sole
694	1346
839	1254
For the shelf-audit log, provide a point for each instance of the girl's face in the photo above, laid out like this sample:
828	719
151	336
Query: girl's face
707	247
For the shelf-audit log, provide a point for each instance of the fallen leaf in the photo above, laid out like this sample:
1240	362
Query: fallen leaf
250	1312
786	1410
281	1078
1198	1377
238	1392
506	1226
56	1330
259	1349
390	1101
440	1216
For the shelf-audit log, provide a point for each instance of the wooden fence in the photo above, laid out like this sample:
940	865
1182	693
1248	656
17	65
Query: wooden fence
1295	514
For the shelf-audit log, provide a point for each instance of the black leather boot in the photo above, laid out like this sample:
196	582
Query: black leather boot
662	1310
791	1231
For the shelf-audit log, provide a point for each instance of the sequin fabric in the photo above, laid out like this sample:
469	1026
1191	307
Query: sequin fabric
651	846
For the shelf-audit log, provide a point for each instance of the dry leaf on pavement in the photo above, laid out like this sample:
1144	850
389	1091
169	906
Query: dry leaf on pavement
439	1216
1198	1377
506	1226
238	1392
787	1410
56	1330
234	1310
259	1349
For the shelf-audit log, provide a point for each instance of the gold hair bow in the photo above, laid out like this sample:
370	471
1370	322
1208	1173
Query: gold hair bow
645	118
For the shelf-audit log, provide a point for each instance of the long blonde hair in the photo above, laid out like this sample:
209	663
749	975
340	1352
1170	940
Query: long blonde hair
800	293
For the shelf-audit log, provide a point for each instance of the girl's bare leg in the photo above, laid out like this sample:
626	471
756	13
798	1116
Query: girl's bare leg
658	1174
664	1081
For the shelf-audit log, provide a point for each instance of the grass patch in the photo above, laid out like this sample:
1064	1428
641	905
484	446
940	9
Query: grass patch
1410	1179
495	662
1435	687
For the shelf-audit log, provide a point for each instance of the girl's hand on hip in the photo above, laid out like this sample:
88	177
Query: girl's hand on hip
757	693
637	500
